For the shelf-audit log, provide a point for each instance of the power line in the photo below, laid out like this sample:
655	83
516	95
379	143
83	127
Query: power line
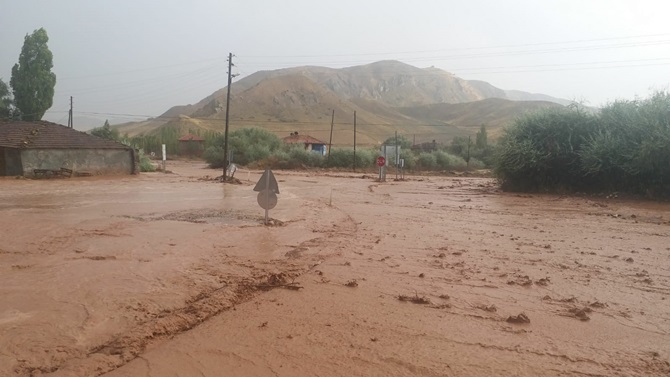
467	48
484	54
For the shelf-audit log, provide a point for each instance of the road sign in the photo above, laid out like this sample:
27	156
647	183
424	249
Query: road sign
381	161
267	199
268	189
267	181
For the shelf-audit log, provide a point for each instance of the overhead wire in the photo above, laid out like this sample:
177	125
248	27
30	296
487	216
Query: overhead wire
161	87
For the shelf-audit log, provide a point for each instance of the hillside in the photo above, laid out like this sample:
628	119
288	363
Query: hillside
493	112
386	96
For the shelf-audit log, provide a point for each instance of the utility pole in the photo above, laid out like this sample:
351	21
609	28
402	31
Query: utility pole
70	121
330	142
354	141
225	137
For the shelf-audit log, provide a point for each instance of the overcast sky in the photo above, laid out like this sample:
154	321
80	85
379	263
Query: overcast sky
141	57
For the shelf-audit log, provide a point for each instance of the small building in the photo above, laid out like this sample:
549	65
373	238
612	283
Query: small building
191	145
425	147
27	148
310	143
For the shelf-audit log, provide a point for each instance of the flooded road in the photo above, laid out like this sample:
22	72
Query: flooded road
173	274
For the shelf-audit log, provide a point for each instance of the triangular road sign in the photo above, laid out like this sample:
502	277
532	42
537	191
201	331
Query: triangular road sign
265	183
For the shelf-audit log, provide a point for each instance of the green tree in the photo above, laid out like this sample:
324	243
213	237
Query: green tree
106	132
403	142
32	80
5	101
481	139
247	144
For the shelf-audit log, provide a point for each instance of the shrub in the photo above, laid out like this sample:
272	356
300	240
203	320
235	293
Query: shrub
446	161
541	150
632	152
145	163
626	147
299	157
426	161
247	145
366	158
214	157
341	158
476	164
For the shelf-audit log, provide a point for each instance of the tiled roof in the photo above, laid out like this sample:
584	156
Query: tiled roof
305	139
190	137
47	135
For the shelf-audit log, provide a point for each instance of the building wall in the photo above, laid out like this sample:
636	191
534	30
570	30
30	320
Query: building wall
93	161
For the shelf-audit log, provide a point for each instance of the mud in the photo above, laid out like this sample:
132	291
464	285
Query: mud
174	274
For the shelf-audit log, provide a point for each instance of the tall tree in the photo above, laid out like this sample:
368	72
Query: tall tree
106	132
5	101
482	138
32	80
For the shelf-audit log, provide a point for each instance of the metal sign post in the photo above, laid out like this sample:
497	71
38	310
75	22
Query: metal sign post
381	162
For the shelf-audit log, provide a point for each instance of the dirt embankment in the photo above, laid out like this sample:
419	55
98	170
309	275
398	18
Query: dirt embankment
171	274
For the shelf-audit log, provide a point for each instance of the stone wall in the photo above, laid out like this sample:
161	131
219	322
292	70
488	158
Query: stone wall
92	161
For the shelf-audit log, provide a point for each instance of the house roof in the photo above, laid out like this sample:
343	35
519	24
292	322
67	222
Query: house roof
191	137
46	135
304	139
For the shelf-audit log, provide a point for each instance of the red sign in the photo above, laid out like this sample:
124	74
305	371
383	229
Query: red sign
381	161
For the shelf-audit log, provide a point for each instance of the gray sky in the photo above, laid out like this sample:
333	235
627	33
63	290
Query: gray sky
141	57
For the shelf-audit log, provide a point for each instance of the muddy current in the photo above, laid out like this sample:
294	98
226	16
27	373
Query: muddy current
176	275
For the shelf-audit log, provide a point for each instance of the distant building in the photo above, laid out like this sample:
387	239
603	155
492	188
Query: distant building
426	147
310	143
191	145
30	148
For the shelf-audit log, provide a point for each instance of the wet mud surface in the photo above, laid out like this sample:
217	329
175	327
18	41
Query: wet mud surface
174	274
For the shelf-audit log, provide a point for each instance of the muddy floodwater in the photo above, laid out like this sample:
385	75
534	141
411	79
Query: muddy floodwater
176	275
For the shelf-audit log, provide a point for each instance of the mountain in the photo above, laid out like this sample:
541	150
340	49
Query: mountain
386	96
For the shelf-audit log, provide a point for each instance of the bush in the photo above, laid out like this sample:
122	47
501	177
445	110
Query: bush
341	158
366	158
624	148
476	164
426	161
145	163
299	157
214	157
446	161
247	145
541	150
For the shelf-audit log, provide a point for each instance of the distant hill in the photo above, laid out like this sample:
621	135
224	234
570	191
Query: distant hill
386	96
493	112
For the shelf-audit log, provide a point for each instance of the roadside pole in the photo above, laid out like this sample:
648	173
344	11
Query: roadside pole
164	157
267	197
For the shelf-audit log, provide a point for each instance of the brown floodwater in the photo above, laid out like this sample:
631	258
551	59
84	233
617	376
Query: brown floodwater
176	275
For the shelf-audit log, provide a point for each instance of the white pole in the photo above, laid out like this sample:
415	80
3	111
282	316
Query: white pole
164	157
267	194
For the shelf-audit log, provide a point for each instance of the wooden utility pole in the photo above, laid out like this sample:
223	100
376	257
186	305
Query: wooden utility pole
225	137
70	121
354	141
330	142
